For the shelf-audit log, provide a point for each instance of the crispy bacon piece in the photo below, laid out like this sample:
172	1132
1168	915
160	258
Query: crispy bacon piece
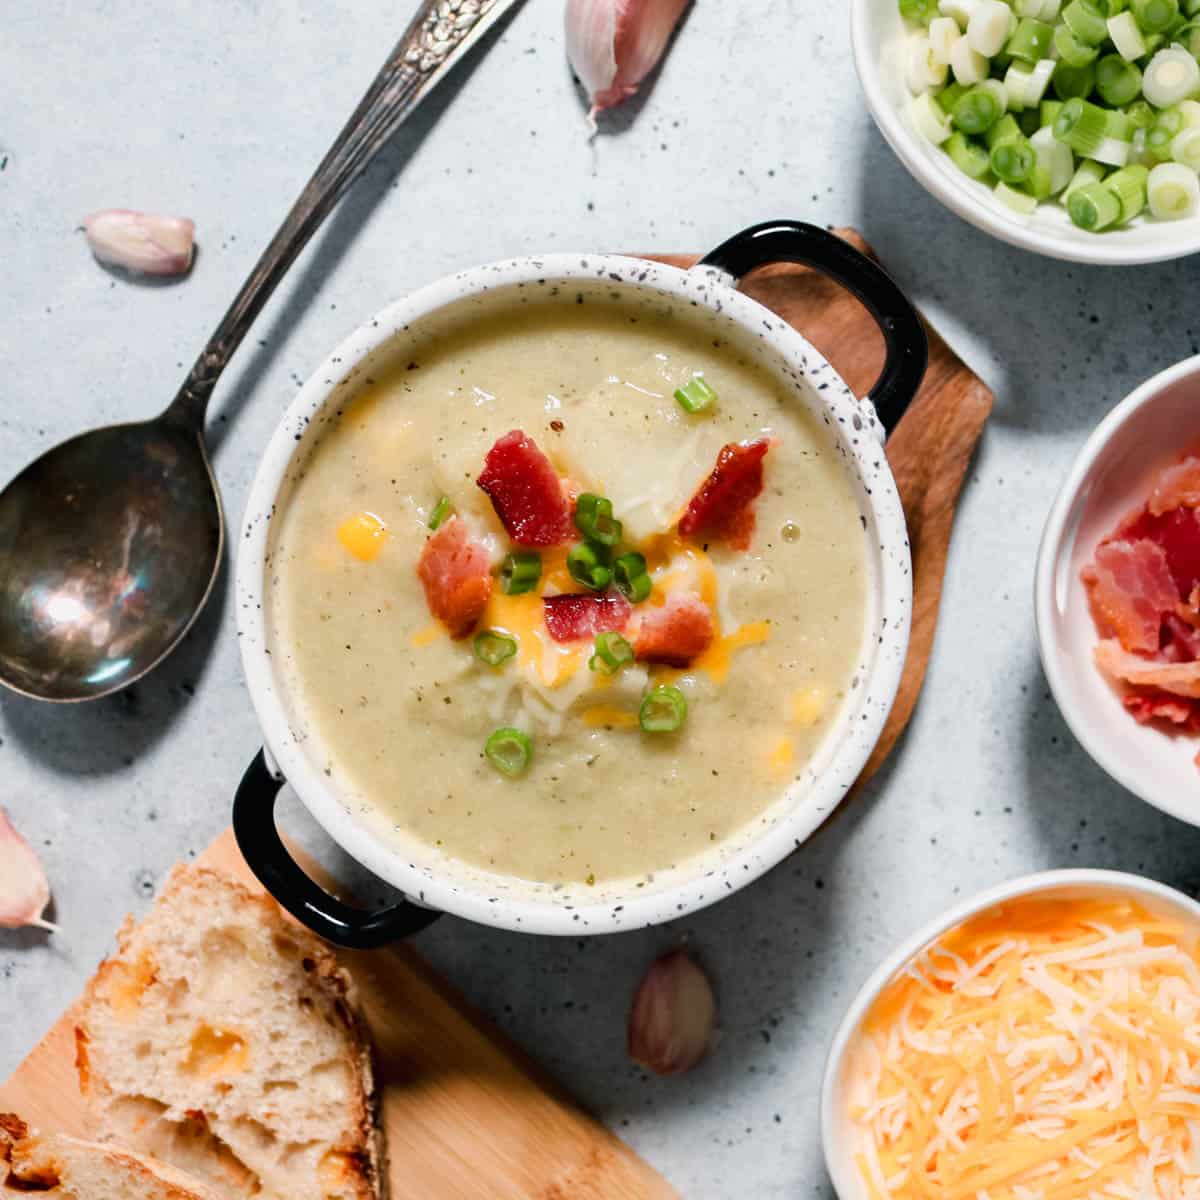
455	571
1178	487
1178	678
677	633
722	508
1178	533
572	618
526	492
1131	587
1150	705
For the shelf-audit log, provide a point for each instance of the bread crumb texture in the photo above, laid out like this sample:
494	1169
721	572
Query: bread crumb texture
69	1169
223	1039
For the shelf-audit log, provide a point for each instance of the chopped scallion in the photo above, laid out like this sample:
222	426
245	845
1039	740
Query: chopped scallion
631	576
612	653
520	572
1173	191
589	564
594	519
440	512
1093	207
509	751
967	155
494	646
663	710
696	395
1118	82
1129	187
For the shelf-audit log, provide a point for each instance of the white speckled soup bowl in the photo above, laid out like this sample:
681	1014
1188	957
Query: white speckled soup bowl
431	881
880	38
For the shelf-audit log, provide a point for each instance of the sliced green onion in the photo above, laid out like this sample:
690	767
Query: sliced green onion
1020	202
588	563
989	26
1012	161
1071	83
1170	76
920	12
631	577
594	519
968	156
1155	16
1189	110
980	107
1129	187
1054	158
1162	134
663	710
696	395
1071	51
1004	130
1027	85
1185	148
969	66
948	97
509	751
1118	82
1188	36
520	572
1126	36
1048	110
944	33
923	72
1140	114
494	646
1087	172
440	512
1173	191
1085	22
612	653
1110	8
929	119
1081	125
1093	207
1031	41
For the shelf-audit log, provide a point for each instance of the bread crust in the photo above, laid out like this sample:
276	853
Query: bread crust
355	1161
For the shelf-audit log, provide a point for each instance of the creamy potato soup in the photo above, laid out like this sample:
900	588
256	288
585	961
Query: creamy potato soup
572	590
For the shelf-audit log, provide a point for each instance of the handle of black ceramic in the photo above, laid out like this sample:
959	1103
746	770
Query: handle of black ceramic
903	333
279	873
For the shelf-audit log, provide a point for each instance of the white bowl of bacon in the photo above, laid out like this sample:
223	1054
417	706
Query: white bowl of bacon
1118	593
1038	1040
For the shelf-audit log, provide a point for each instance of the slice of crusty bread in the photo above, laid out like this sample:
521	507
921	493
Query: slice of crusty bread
222	1038
55	1165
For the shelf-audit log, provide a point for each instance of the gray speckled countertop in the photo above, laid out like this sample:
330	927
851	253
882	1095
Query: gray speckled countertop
220	112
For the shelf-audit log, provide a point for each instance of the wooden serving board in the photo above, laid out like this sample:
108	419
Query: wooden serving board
466	1114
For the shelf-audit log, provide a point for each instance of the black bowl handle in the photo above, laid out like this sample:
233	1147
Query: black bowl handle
903	333
278	872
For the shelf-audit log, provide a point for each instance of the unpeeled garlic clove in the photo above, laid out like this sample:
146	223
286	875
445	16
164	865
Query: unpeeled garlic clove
673	1017
24	892
614	44
144	242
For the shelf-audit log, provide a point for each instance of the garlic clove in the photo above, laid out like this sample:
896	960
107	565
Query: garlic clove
24	892
614	44
144	242
673	1017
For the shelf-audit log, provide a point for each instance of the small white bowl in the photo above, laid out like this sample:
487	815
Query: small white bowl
879	36
837	1131
1145	432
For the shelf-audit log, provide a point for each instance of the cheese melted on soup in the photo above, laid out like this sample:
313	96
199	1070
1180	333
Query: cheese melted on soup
641	724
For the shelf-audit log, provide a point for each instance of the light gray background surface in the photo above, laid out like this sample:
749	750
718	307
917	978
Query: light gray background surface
219	112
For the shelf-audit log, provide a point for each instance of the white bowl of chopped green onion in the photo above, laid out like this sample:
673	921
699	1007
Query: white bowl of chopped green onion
1067	127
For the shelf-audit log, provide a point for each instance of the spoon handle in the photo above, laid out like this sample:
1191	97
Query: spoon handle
439	35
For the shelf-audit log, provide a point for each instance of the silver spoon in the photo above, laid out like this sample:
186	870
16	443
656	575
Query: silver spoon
110	543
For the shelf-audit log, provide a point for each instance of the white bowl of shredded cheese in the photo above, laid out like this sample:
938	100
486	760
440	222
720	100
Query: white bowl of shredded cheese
881	40
1040	1040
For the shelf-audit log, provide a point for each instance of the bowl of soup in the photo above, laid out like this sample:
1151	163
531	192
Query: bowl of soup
574	591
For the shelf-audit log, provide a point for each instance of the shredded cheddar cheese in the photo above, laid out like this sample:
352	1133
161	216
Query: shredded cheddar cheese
1045	1050
363	535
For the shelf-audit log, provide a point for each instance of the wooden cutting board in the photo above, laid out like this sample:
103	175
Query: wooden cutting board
467	1115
